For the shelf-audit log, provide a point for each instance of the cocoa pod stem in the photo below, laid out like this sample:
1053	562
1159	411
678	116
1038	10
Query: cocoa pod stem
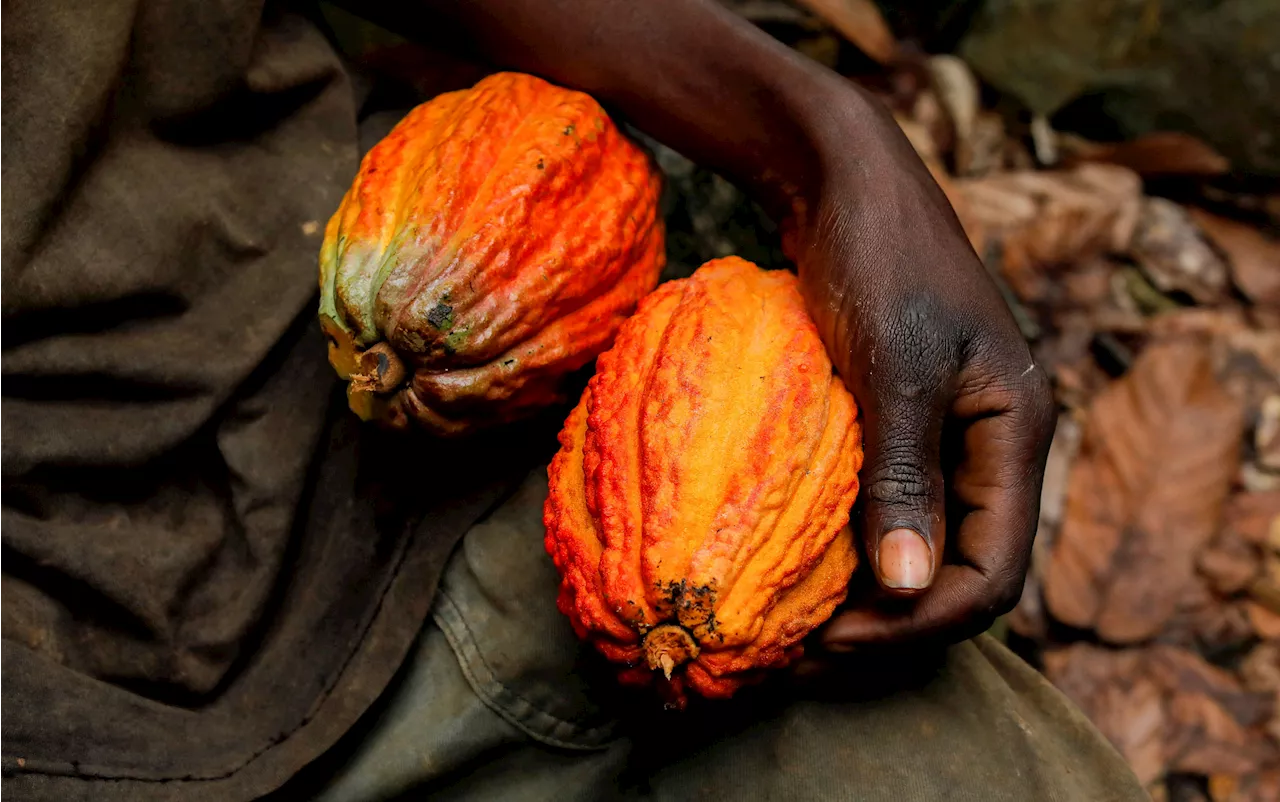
668	646
381	370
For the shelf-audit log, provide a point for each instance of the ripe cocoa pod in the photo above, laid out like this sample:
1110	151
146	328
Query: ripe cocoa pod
699	504
490	245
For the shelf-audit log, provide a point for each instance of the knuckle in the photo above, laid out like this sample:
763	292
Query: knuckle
898	480
1017	384
1006	596
1005	589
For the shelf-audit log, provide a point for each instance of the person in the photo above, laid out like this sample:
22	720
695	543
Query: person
219	586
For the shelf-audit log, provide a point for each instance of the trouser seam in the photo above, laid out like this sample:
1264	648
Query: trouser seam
521	713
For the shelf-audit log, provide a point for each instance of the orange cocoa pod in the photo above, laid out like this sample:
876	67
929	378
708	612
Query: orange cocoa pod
699	503
492	243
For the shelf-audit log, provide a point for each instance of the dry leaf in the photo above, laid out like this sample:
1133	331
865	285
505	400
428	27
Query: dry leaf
1159	452
1166	709
1181	671
1155	154
1207	740
1265	622
1252	516
1219	627
957	90
1203	621
1254	257
1260	669
1133	718
1028	618
1040	219
1087	285
1265	590
1124	704
1229	327
1261	787
1229	563
1169	248
861	23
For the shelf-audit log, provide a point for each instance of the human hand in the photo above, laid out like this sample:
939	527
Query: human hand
957	417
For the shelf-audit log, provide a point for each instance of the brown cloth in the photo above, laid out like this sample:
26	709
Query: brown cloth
210	570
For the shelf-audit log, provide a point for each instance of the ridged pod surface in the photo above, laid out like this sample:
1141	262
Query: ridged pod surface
699	503
491	243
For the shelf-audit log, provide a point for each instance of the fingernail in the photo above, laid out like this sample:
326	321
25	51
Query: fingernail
905	560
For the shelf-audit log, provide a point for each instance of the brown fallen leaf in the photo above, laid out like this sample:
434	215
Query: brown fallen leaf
1126	705
1254	257
1159	452
1038	219
1087	284
1261	787
1220	627
1260	669
1265	590
1204	621
1166	709
1170	250
1229	563
1231	329
1155	154
1206	739
1251	516
1246	357
1182	671
1265	622
861	22
1028	617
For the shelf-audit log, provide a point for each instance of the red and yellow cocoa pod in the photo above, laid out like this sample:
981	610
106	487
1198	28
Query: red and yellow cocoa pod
492	243
699	503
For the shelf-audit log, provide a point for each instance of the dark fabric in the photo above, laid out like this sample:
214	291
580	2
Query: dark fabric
210	570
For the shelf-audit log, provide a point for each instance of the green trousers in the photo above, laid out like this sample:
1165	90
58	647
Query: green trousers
499	701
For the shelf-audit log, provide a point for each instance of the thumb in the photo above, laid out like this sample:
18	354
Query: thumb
903	518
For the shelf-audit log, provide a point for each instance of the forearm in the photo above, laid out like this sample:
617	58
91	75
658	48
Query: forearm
688	72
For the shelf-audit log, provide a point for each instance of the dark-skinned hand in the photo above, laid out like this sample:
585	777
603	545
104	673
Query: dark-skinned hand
957	417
